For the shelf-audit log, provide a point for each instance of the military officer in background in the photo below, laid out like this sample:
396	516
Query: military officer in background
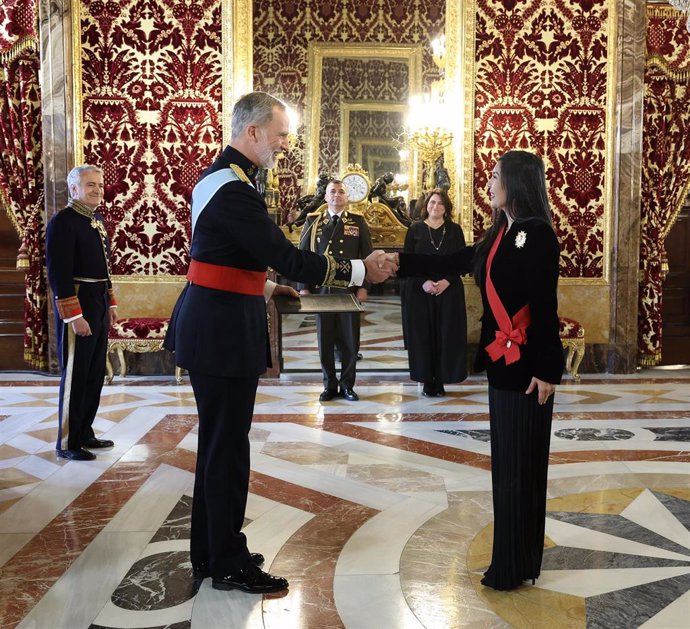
78	261
342	233
219	331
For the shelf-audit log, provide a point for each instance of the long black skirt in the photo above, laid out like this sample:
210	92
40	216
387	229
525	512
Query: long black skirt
520	436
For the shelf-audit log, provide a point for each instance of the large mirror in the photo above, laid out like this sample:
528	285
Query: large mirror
357	99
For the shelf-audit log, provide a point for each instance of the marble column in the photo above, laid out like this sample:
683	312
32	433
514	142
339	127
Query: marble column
625	235
55	29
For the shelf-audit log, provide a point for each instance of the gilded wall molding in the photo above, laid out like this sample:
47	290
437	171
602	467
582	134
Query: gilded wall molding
460	66
77	88
238	77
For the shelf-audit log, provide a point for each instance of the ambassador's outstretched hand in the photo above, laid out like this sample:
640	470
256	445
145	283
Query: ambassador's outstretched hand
380	266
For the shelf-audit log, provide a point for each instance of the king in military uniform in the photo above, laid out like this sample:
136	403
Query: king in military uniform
219	334
78	261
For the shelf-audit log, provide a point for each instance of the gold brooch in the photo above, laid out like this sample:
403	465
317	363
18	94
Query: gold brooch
520	239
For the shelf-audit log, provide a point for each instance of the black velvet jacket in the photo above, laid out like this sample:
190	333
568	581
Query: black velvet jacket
524	271
223	333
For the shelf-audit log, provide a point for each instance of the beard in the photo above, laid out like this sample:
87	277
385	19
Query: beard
266	155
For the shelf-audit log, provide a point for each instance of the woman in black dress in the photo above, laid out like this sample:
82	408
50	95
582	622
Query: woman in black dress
433	312
516	267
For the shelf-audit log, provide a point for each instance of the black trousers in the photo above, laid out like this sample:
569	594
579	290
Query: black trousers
520	438
341	331
221	484
82	365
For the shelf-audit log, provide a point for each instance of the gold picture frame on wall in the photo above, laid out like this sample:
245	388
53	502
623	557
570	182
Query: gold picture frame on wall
317	52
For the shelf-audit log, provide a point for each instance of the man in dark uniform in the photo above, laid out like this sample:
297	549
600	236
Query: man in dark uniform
219	334
341	233
78	261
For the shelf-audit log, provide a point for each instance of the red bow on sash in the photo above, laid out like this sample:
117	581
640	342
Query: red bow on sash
511	332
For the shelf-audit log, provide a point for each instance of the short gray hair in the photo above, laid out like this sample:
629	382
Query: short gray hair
74	176
254	108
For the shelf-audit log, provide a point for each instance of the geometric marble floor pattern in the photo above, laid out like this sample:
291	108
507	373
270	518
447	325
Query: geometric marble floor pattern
378	512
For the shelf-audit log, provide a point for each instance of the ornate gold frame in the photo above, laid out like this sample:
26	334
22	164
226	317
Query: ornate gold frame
411	54
348	106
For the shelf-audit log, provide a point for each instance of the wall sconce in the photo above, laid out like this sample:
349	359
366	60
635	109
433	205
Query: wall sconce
427	135
426	130
438	51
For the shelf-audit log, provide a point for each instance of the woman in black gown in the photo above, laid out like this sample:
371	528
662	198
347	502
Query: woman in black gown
516	267
433	312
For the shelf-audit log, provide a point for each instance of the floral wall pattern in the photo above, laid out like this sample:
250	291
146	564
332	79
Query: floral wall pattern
21	170
665	166
282	31
151	99
541	78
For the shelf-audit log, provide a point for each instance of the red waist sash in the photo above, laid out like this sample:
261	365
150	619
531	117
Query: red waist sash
227	278
511	332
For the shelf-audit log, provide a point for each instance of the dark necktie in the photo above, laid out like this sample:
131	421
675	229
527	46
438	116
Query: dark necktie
335	220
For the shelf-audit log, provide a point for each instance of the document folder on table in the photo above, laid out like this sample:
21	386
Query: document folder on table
318	304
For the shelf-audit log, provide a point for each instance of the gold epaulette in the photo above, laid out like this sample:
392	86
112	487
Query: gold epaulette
240	173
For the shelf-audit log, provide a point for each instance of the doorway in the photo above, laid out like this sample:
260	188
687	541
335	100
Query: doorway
676	293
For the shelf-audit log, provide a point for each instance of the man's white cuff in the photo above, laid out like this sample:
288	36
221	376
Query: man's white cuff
359	272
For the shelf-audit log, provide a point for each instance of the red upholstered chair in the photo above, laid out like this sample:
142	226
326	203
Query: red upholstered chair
573	339
139	335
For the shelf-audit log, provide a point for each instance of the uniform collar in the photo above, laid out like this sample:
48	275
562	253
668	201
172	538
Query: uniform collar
81	208
233	156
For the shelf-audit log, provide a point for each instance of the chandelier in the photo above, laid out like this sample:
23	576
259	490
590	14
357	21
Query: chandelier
684	6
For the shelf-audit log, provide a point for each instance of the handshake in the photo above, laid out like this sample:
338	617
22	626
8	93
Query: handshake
381	265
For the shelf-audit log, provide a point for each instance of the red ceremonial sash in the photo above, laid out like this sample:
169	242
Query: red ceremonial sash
227	278
511	332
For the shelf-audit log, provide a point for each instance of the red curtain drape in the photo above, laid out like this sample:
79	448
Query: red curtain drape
665	163
21	173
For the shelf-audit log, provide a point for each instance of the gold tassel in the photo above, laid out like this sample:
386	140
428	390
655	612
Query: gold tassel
9	55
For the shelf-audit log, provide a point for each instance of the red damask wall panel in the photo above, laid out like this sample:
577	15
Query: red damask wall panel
283	30
151	98
541	78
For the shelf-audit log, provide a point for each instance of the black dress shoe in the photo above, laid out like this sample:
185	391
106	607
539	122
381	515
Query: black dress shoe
201	571
76	455
429	390
349	394
440	390
98	443
327	395
252	580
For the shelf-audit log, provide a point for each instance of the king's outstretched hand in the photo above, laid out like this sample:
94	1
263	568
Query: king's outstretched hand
380	266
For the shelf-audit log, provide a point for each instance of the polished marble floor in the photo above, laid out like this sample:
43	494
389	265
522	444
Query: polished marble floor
378	512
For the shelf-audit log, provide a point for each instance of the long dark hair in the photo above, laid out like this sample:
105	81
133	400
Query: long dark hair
445	199
522	176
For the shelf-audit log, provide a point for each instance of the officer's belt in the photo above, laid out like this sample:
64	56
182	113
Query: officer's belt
89	279
227	278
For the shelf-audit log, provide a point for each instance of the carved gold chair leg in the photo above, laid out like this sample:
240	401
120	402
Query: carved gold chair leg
108	369
178	375
576	352
123	364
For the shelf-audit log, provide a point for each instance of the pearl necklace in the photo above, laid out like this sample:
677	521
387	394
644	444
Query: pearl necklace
431	238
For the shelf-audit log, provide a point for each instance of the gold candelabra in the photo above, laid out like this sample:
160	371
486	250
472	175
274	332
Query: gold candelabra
430	142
